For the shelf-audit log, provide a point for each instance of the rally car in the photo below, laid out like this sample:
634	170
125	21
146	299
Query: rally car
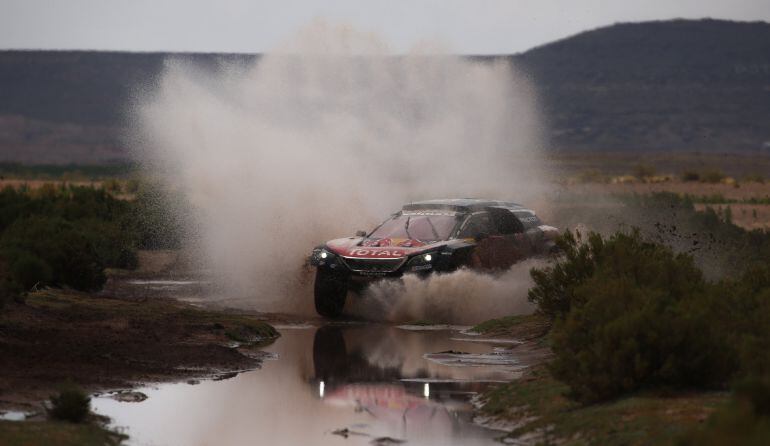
427	237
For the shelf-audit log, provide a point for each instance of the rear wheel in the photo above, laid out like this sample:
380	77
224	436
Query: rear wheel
330	292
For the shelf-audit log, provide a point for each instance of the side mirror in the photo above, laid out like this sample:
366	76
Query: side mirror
360	233
481	236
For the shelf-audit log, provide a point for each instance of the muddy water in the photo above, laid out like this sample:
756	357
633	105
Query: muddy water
334	385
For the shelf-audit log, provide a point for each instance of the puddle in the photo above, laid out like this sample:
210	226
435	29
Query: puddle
499	357
433	327
372	383
171	283
490	340
14	415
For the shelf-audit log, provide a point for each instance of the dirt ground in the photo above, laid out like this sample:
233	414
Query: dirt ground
16	183
744	191
749	203
104	342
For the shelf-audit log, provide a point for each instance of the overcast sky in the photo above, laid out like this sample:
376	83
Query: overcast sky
469	27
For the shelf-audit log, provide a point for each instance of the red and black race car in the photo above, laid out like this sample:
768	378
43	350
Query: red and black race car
428	237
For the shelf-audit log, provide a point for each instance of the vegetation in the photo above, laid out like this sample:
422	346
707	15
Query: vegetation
68	235
645	343
71	404
593	176
712	176
630	314
717	244
746	420
690	175
754	178
643	171
67	172
497	325
543	413
44	433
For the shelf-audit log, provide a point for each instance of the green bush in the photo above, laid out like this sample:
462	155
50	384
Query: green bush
553	292
630	314
68	250
643	171
9	288
71	404
29	270
712	176
747	314
67	235
690	175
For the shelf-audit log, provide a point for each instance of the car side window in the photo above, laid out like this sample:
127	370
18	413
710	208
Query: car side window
529	220
476	224
505	222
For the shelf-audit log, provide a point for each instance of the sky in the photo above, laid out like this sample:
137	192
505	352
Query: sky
254	26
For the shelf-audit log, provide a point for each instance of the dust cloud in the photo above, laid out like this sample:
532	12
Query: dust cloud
328	134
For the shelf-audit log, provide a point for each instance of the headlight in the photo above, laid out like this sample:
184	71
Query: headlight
420	262
321	257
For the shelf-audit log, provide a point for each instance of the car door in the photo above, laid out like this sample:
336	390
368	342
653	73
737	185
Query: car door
478	228
498	239
512	242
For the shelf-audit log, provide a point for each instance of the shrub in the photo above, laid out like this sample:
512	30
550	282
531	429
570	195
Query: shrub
712	176
630	314
643	171
9	289
553	292
690	175
112	185
67	250
132	186
592	176
748	317
71	404
29	270
756	178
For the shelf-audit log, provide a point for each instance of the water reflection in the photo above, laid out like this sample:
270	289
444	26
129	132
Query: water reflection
362	382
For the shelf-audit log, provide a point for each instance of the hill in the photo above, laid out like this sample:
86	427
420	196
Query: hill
675	85
655	86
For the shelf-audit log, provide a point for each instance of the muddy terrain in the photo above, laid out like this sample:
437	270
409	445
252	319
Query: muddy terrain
105	342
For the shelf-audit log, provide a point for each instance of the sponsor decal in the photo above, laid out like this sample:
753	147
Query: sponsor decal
385	242
362	252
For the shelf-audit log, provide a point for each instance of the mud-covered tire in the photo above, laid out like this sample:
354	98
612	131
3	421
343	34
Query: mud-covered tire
330	293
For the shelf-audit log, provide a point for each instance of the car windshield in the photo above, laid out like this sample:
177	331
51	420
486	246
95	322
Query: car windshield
417	226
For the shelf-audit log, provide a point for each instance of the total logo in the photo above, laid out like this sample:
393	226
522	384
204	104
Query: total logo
376	253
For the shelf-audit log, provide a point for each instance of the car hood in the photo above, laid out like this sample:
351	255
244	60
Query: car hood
379	248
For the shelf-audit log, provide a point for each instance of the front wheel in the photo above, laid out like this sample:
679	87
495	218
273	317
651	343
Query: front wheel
330	293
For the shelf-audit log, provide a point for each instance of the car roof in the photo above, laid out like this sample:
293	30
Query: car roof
461	204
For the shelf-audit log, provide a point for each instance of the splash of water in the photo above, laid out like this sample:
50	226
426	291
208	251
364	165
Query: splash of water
327	135
460	297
